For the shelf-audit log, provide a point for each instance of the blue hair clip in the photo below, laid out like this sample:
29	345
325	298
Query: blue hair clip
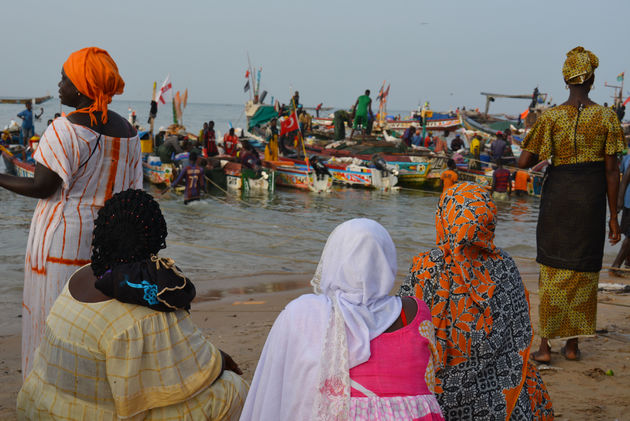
150	291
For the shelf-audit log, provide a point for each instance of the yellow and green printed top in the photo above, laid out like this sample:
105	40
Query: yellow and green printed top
569	136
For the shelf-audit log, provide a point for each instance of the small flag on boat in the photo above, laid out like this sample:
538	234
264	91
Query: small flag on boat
380	92
246	87
246	74
620	77
178	106
166	91
524	114
289	124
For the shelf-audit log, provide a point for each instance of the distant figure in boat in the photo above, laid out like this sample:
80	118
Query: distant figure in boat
457	143
318	109
170	146
408	135
159	137
28	128
210	140
475	151
340	118
271	150
230	142
439	145
305	120
416	139
295	100
361	108
249	157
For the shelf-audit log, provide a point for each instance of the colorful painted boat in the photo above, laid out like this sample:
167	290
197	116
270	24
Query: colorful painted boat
16	166
353	175
448	123
289	174
247	180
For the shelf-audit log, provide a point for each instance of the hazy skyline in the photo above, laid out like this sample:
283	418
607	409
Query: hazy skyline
331	52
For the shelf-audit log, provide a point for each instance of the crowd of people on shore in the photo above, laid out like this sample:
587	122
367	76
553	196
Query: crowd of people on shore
107	332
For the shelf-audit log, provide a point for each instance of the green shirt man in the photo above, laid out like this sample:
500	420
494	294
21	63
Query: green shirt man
361	108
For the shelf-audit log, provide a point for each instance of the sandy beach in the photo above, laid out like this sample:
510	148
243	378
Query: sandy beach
238	323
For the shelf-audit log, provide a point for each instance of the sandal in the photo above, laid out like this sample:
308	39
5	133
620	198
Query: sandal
578	354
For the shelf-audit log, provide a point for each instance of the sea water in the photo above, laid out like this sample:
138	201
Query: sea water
226	241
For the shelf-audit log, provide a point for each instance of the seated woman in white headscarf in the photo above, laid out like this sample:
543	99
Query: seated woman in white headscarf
349	351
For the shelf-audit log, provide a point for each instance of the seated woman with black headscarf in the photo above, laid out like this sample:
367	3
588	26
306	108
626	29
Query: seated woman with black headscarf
119	341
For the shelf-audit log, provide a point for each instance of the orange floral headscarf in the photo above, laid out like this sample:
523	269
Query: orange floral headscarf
579	66
95	74
465	221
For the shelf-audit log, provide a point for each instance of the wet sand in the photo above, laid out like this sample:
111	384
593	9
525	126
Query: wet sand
238	322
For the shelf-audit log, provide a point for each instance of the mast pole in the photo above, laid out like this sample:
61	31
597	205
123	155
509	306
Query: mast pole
251	75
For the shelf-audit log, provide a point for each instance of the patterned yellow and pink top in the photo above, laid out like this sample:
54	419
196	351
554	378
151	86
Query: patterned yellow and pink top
560	135
111	360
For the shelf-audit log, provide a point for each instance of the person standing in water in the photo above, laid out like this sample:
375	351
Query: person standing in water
193	176
582	139
28	128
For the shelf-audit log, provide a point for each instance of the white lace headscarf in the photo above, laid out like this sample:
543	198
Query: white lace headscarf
355	273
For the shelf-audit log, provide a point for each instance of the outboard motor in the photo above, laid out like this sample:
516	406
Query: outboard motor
320	169
380	164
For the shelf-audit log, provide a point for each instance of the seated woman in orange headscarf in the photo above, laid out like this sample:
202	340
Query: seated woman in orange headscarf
82	160
480	310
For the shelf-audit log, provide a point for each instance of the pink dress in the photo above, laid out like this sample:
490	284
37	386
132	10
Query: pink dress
398	380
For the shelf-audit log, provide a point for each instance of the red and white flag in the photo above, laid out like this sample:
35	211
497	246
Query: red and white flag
165	94
289	124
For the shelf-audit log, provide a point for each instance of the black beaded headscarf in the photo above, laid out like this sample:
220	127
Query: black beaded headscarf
128	233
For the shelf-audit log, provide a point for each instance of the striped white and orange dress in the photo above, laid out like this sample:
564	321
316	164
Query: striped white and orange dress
61	230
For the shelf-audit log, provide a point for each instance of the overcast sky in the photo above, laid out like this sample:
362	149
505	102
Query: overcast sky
446	52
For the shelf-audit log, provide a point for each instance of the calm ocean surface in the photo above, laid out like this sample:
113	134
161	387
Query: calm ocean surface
225	242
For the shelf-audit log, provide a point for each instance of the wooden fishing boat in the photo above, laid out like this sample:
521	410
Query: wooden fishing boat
15	165
353	175
36	100
247	180
155	172
289	174
447	123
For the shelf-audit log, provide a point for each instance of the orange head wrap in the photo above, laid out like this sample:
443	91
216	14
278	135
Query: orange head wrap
579	66
95	74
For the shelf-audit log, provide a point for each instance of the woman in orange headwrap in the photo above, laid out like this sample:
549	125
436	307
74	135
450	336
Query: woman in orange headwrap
480	311
82	160
582	139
